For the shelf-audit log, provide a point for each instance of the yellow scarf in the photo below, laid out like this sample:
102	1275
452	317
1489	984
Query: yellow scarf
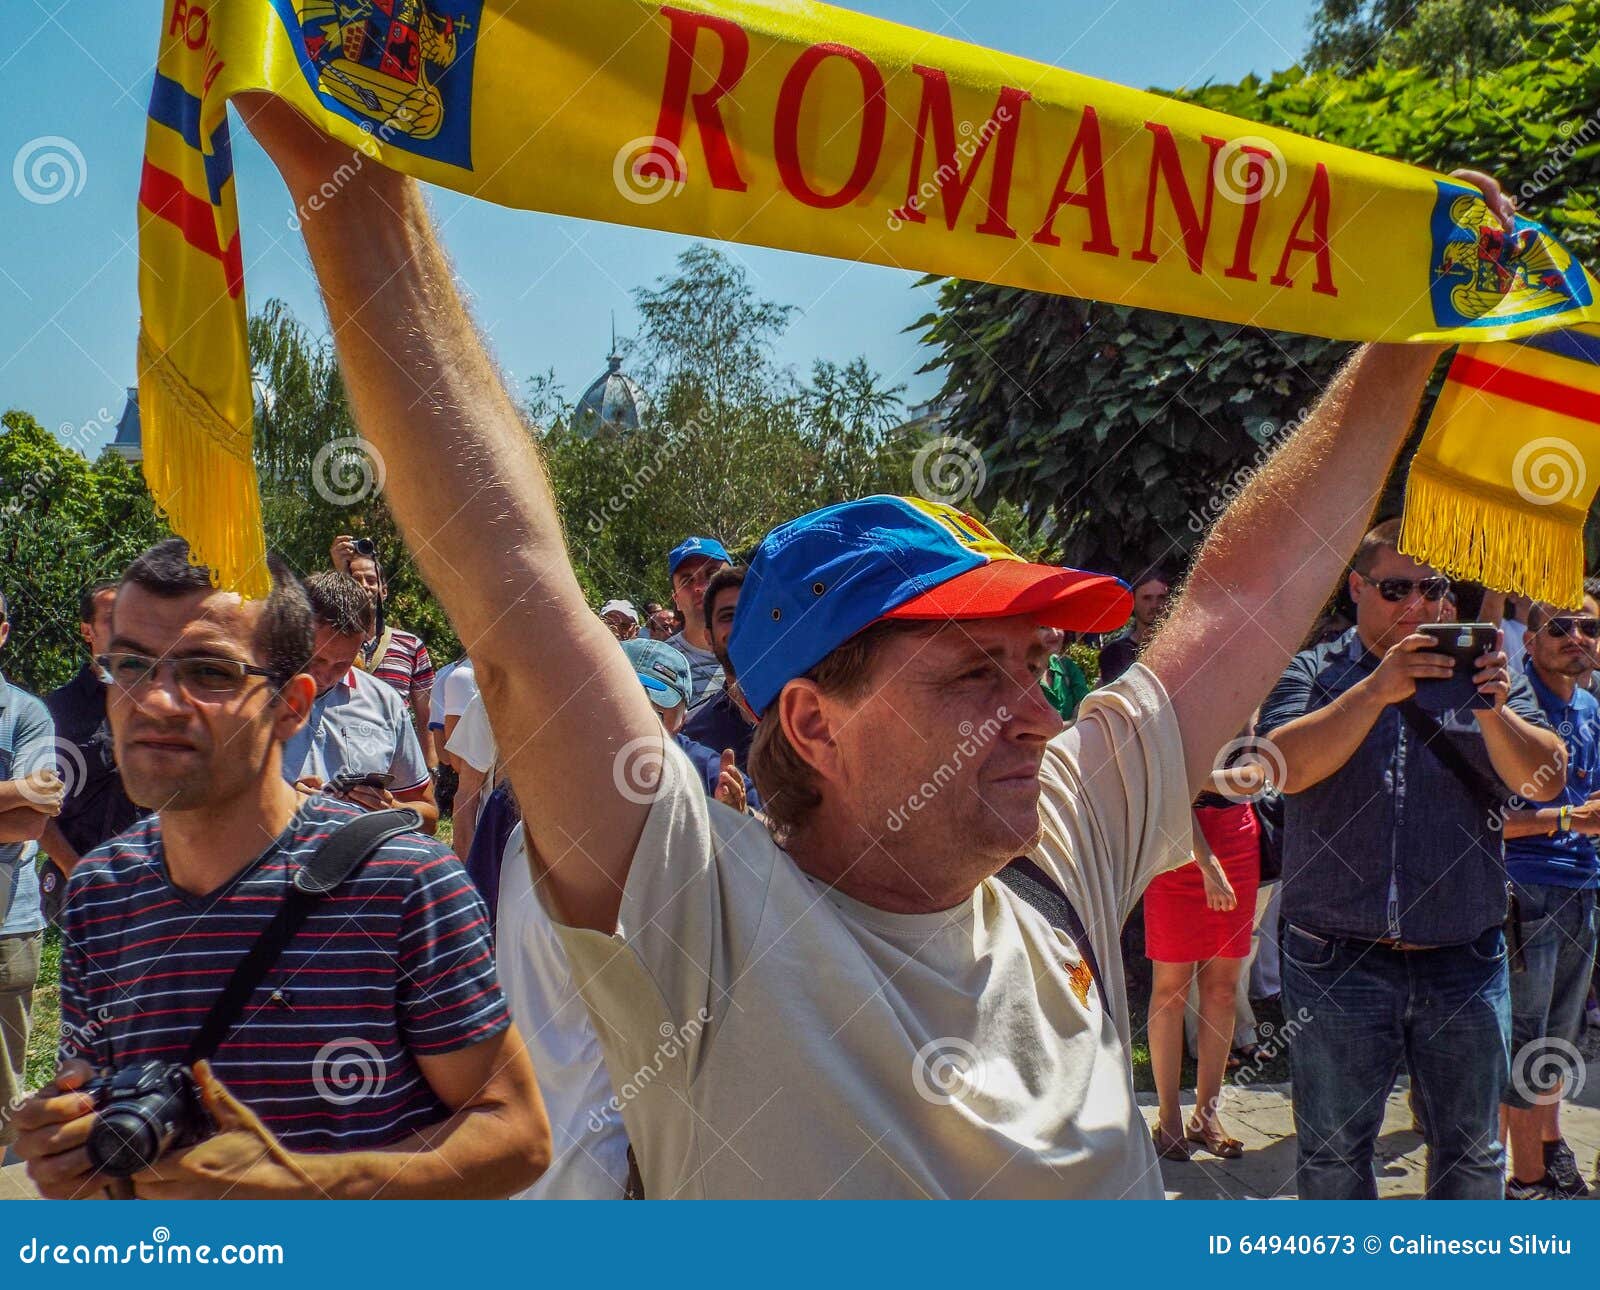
811	128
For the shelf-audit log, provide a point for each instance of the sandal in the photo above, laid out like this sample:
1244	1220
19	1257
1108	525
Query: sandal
1169	1148
1214	1140
1246	1055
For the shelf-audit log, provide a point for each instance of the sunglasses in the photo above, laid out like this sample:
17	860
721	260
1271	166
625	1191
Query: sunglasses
1395	590
1573	625
194	676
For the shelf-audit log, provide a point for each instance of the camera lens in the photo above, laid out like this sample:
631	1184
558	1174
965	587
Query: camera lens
366	546
130	1137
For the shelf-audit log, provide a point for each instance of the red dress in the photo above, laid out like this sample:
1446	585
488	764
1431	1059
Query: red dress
1178	927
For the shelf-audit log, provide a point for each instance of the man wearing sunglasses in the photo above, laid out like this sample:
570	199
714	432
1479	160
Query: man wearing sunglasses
1394	890
390	979
1550	854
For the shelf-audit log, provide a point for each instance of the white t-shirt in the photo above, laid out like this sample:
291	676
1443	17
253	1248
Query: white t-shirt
1516	633
436	695
590	1160
473	740
771	1037
460	688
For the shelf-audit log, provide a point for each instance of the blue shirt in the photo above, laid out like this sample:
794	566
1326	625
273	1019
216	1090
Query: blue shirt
361	725
717	723
1392	844
1564	859
27	745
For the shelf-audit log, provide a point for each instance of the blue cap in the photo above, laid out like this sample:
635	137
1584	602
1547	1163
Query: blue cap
818	580
662	670
692	547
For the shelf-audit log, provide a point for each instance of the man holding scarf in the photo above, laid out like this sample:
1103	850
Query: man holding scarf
937	983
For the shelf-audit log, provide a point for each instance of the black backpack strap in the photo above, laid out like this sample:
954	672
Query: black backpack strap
1036	888
1433	736
340	855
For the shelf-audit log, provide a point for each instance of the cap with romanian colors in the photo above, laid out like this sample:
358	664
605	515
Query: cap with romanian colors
818	580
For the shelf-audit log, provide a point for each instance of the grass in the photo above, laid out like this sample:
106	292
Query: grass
46	1014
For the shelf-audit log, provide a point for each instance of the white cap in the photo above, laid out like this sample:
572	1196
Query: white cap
619	607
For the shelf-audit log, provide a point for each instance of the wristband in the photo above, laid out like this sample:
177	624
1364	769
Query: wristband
1564	819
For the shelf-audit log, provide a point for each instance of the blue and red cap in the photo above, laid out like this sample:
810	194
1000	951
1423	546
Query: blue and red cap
818	580
697	548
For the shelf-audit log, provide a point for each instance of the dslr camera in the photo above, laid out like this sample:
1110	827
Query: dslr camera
141	1113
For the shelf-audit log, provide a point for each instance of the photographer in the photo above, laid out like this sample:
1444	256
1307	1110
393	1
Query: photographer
1394	883
373	1057
358	742
390	653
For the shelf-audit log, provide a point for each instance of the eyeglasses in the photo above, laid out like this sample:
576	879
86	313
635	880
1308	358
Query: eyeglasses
1395	590
195	676
1572	625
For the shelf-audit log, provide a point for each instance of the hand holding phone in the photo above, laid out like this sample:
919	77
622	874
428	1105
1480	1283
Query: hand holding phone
1479	677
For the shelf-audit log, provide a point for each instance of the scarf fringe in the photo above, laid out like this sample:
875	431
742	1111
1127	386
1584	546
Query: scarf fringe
200	471
1504	544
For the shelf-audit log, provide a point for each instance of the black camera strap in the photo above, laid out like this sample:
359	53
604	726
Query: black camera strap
340	855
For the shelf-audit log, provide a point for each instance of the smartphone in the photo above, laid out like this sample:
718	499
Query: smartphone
1465	643
345	780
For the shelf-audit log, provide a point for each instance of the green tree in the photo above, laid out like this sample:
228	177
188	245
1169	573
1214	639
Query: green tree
319	478
730	444
1120	432
64	522
1353	35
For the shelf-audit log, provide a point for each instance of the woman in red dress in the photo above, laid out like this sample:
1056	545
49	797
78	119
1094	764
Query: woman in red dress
1198	919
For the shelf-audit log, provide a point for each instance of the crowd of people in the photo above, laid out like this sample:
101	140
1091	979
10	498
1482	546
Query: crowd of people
813	884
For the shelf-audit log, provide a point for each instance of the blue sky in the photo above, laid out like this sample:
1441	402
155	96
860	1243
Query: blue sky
543	288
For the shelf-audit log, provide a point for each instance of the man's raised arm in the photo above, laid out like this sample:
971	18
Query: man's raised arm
1273	556
470	493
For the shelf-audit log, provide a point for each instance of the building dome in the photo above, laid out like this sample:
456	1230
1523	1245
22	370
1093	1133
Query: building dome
614	403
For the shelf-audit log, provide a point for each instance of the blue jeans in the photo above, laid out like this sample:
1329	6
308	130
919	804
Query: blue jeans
1558	929
1444	1013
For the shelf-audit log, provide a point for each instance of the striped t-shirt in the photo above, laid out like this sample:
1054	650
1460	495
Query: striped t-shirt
404	664
396	962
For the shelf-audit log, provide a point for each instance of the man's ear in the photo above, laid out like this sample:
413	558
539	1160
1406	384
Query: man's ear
808	718
1354	586
293	705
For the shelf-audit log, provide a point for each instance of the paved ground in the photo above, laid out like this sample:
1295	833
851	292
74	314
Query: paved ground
1260	1118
